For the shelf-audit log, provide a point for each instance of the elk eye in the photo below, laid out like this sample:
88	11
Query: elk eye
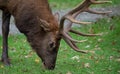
51	44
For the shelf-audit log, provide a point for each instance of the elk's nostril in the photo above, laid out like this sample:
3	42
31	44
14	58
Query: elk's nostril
52	67
49	67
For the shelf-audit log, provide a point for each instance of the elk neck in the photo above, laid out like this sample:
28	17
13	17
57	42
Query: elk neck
28	12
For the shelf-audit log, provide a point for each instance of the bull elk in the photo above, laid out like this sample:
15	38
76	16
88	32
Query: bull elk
35	20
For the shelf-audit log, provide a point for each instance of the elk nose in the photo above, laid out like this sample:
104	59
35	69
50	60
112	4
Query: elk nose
51	44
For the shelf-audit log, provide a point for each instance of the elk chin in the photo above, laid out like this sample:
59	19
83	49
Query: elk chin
47	62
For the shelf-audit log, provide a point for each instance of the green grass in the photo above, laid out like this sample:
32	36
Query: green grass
65	4
104	56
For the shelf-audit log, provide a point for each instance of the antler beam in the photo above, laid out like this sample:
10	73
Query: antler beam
71	15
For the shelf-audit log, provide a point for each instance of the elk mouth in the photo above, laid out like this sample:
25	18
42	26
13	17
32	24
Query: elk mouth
48	66
47	62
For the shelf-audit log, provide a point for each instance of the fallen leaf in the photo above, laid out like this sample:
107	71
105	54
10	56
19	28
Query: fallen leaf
112	27
87	46
98	48
77	58
100	40
102	57
25	41
118	60
87	65
37	60
29	54
118	71
114	42
91	57
68	72
83	40
93	52
1	47
1	66
92	73
111	57
96	61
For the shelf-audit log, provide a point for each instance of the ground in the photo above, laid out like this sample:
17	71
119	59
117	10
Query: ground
104	56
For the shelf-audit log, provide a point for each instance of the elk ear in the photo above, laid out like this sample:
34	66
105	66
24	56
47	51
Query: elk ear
45	25
57	16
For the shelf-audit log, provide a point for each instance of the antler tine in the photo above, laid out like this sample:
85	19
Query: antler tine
70	23
100	2
80	8
97	12
70	18
73	46
82	34
65	35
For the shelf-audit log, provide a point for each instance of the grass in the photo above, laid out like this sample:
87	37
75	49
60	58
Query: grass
104	56
65	4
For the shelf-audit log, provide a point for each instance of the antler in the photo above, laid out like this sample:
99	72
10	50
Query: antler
71	15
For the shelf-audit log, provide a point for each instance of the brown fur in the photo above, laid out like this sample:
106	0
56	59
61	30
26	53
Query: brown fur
35	20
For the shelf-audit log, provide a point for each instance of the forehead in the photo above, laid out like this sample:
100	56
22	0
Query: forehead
53	32
54	26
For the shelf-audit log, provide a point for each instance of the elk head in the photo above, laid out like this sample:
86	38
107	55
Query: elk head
50	38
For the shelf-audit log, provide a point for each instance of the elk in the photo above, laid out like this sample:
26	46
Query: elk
35	20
